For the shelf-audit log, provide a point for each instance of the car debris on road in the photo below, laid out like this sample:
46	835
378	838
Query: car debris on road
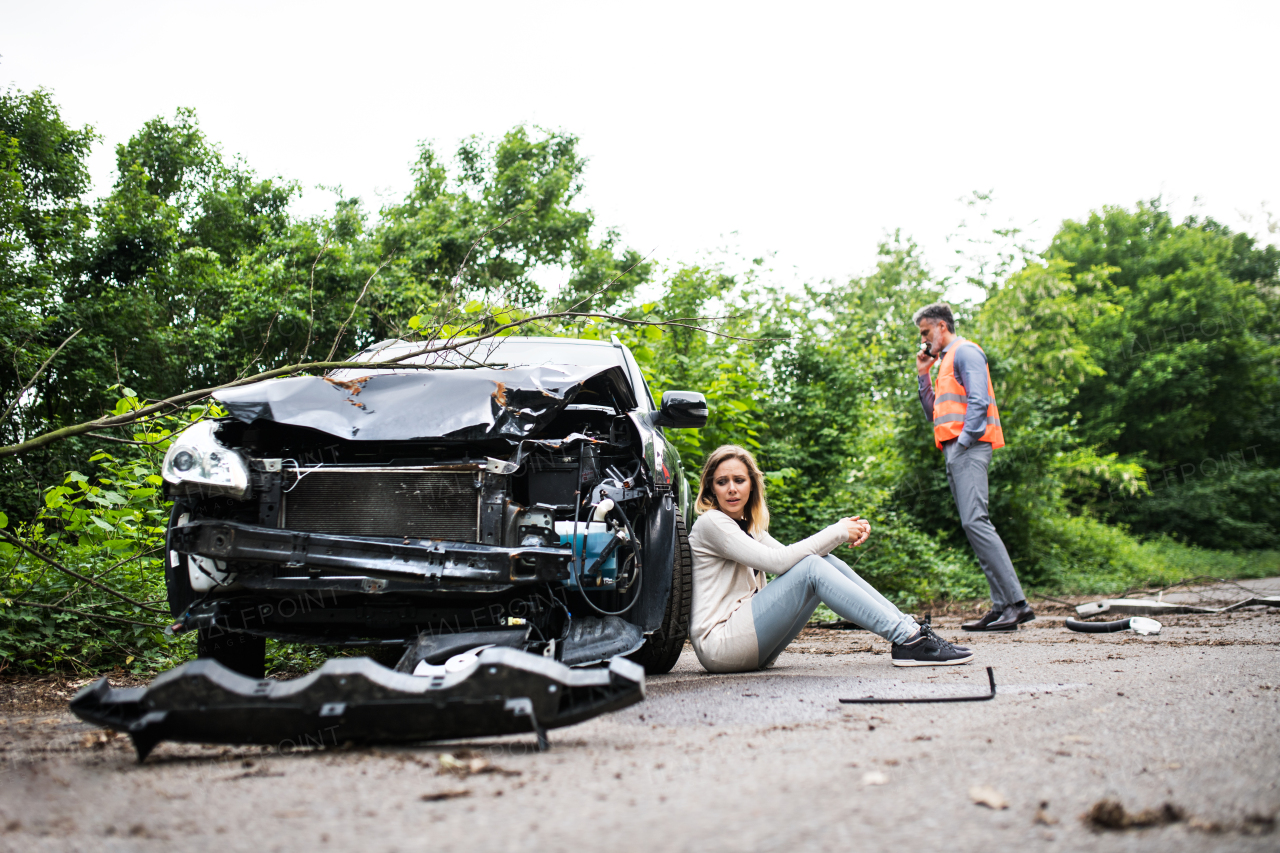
357	701
1149	607
1137	624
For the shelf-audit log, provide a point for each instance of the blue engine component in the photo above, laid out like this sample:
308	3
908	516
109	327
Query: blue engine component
594	537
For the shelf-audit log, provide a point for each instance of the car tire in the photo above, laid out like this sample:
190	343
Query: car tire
662	648
241	653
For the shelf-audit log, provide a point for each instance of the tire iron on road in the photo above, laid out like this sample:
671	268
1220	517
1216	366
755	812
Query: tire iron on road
874	700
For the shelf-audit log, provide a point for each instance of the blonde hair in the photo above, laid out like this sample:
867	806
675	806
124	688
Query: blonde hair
757	512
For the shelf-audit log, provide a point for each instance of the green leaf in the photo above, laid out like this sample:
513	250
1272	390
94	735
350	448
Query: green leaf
415	322
473	307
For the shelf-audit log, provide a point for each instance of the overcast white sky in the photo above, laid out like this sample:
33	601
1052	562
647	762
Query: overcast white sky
808	129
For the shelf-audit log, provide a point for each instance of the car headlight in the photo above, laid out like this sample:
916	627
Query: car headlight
197	463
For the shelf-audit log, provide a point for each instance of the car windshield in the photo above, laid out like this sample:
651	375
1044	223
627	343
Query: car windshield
508	351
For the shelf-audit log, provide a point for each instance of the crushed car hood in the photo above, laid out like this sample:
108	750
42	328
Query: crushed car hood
463	404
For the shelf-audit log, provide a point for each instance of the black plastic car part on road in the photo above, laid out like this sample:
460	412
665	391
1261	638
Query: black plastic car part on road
356	701
522	493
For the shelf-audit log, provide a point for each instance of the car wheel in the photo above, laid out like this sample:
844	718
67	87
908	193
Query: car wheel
242	653
662	648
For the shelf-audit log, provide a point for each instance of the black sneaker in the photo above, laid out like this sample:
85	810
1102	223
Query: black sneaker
928	620
928	649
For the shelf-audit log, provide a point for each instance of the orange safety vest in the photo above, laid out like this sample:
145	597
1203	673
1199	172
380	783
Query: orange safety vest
950	403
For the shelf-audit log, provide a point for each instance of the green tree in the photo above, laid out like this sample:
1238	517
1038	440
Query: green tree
1189	381
155	283
509	212
43	227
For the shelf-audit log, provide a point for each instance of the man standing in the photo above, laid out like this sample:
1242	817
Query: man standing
966	428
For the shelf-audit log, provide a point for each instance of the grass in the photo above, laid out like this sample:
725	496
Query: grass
1082	556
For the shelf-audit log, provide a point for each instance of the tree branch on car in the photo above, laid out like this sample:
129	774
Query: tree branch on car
451	344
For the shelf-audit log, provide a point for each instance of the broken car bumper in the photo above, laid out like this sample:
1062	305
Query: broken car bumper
424	560
354	700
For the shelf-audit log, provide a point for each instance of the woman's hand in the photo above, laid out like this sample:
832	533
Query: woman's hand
857	530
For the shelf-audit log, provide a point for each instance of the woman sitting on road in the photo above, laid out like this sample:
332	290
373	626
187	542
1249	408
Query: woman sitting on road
738	622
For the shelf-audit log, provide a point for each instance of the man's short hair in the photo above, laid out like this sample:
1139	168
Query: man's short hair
936	311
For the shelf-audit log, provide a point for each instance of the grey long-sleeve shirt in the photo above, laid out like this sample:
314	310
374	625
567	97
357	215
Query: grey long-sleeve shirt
971	372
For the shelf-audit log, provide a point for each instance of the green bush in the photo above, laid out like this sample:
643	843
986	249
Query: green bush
1239	510
108	528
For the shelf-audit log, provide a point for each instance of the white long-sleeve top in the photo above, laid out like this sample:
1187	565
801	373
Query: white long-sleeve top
728	568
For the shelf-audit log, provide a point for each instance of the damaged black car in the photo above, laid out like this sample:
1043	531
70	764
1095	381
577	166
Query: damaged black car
515	493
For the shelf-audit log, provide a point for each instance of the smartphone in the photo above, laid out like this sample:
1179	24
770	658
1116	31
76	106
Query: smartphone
924	349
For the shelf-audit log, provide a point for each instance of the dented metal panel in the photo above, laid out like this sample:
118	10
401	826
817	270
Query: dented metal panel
485	402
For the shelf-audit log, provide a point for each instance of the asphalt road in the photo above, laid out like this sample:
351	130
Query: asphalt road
755	762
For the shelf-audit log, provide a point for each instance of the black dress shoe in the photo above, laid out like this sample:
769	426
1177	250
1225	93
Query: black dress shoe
981	624
1012	617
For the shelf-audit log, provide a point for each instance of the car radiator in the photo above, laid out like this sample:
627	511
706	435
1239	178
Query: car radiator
420	502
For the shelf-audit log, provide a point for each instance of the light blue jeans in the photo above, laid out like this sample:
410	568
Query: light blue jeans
781	610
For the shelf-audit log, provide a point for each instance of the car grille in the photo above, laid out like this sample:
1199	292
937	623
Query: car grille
423	504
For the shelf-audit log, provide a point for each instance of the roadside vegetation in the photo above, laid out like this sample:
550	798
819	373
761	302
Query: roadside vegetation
1135	361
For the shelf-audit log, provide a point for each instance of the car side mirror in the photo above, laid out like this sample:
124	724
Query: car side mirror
682	410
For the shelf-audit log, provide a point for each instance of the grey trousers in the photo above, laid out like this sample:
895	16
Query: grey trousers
782	609
967	474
